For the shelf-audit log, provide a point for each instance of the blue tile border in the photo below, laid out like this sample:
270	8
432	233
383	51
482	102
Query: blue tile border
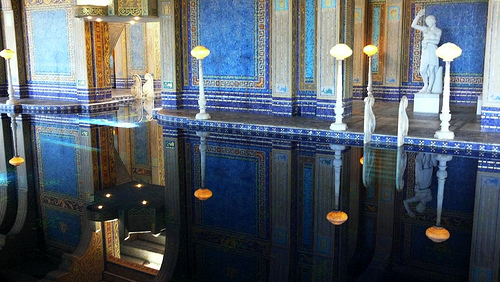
452	147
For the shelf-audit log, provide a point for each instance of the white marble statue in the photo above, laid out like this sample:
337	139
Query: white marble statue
137	87
429	62
403	122
148	96
137	94
369	120
424	169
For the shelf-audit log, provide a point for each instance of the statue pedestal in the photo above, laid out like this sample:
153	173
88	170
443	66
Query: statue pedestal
426	103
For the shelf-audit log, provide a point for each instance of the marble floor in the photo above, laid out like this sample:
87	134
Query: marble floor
464	122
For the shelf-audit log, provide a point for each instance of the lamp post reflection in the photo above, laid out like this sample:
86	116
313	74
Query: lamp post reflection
203	193
16	160
438	233
337	217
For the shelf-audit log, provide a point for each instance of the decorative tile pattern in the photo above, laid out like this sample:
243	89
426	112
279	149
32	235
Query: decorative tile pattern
467	69
50	38
208	27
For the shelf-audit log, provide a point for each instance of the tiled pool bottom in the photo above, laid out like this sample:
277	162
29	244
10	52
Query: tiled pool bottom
469	139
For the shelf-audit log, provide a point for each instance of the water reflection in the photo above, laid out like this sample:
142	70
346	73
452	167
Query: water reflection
266	219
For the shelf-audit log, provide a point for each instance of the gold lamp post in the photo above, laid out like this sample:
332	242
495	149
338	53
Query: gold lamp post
340	52
7	54
200	53
447	52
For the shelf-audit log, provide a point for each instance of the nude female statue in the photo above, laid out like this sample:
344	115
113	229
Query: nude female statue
429	62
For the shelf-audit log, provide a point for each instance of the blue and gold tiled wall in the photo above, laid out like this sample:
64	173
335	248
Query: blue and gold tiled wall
50	51
468	31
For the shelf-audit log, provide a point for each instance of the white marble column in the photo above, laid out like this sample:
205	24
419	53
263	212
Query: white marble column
283	36
490	106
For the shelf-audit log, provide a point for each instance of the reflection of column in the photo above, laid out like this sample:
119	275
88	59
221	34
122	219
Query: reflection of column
281	213
491	87
156	141
172	208
485	257
383	181
355	186
324	233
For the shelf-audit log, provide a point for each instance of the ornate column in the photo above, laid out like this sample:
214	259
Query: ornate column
334	25
13	40
490	106
328	32
282	190
93	73
171	84
284	73
394	32
359	68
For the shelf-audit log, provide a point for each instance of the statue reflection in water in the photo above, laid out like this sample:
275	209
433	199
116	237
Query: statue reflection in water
424	168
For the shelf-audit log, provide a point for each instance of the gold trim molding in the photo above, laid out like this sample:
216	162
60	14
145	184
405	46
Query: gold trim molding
82	11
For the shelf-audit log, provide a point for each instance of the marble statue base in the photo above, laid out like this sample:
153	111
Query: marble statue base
444	135
426	103
202	116
338	126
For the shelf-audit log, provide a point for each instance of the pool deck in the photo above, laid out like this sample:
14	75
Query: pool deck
465	124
